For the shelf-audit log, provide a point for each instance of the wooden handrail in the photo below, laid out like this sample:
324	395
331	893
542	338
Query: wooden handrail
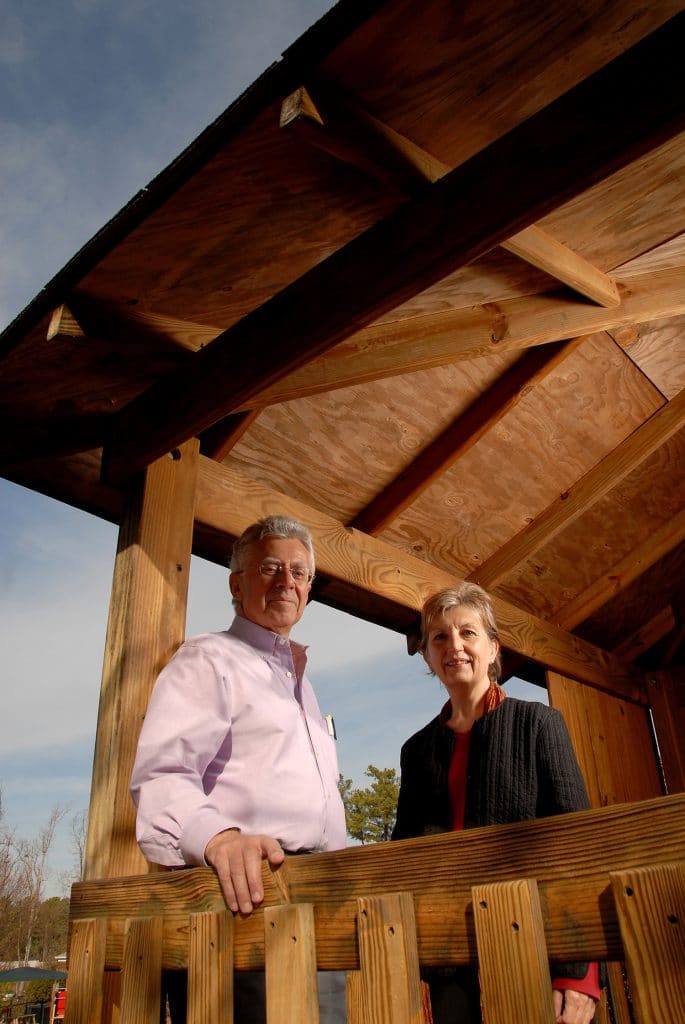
571	857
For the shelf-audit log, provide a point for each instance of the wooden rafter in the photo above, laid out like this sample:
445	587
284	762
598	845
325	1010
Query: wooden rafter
342	128
597	482
217	441
373	565
391	348
659	626
625	572
419	243
460	435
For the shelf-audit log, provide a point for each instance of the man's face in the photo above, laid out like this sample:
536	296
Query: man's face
275	602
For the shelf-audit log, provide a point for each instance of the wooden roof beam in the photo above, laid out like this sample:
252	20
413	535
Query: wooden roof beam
457	438
625	572
401	346
217	441
596	483
659	626
343	129
421	242
227	501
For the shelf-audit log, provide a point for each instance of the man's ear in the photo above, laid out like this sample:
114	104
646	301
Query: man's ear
234	586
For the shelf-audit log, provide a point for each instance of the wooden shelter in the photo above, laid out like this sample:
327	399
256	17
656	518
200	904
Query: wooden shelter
423	286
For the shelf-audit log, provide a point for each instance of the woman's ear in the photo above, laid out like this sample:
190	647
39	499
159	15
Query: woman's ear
424	654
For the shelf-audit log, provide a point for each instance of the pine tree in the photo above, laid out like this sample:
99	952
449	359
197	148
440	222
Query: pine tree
370	813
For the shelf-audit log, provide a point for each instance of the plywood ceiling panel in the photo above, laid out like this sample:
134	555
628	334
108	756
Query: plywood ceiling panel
537	451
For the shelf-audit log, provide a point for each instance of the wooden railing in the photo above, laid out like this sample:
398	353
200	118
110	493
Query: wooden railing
606	885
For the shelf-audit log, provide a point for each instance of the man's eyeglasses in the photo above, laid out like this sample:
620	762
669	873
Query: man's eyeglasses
299	573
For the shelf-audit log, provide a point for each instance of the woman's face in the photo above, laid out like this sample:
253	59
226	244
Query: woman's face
459	651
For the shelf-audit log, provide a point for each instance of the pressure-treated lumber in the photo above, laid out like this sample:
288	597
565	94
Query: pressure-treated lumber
570	857
650	903
388	955
460	435
596	483
621	575
421	242
141	987
513	968
342	128
210	968
290	958
668	724
87	946
146	625
398	346
382	569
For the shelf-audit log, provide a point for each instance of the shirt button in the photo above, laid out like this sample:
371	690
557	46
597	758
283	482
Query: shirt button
289	675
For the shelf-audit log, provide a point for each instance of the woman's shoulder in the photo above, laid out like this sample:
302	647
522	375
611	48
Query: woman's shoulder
529	710
424	735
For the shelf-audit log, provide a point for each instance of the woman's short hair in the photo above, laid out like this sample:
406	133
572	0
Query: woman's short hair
278	526
471	595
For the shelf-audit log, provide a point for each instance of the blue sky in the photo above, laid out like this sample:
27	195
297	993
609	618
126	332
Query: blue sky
95	99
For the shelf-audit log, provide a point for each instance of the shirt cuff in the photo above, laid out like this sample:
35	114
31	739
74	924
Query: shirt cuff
197	832
588	985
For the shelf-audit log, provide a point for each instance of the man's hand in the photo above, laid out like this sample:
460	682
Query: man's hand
237	860
573	1007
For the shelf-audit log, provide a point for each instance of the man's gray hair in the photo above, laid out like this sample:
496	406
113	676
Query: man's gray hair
281	528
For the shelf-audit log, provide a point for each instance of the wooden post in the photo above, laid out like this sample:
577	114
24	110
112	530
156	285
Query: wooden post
512	955
389	958
146	625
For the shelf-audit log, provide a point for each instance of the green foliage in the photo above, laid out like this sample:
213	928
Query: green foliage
38	991
370	813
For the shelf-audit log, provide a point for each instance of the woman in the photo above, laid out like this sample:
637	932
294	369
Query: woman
485	760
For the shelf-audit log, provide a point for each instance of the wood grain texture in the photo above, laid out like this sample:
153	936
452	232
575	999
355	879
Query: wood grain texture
146	625
290	958
397	345
602	729
596	483
650	903
513	967
87	947
669	720
210	968
569	856
372	565
388	955
418	244
142	971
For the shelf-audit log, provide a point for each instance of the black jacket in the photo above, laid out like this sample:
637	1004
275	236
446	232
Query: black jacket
521	766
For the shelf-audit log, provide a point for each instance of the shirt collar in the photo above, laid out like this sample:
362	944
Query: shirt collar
264	640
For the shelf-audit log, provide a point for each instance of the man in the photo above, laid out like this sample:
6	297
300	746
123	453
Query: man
235	763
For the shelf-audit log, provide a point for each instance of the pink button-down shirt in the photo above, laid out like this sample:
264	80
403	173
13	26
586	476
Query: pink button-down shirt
233	737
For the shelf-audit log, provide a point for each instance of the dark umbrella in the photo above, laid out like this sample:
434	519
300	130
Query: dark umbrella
32	974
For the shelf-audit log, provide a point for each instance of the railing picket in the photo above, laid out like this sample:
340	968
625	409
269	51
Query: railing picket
290	960
86	971
388	954
512	955
142	971
650	904
210	968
